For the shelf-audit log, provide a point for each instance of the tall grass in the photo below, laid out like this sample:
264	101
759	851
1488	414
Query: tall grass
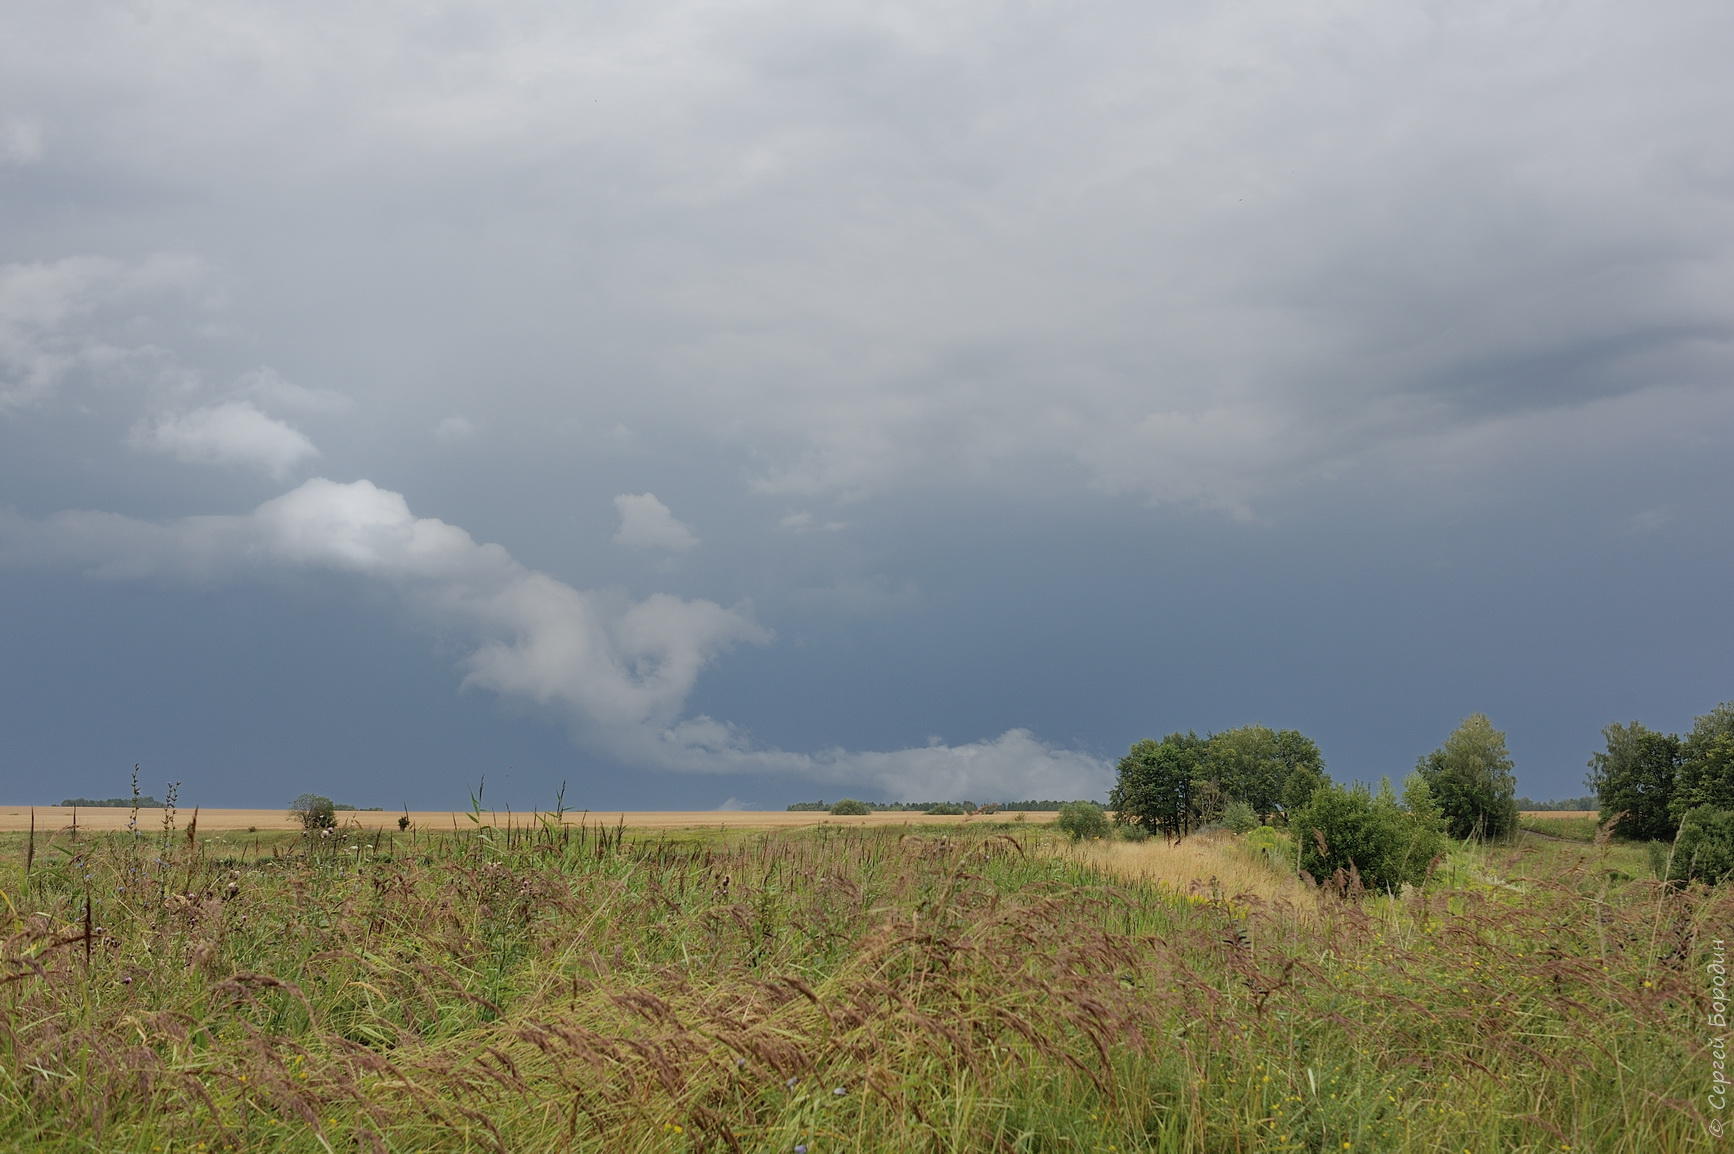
552	987
1210	864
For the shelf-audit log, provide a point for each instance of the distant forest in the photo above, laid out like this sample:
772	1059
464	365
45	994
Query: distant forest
1587	801
143	802
943	807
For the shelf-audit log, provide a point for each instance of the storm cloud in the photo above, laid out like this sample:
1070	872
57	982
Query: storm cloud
1074	374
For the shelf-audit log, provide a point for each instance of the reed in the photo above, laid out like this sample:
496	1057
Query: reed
547	983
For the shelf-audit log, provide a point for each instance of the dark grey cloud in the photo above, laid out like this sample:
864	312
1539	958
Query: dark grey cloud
831	286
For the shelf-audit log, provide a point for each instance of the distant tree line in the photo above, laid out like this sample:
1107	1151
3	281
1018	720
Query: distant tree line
146	801
1567	804
939	807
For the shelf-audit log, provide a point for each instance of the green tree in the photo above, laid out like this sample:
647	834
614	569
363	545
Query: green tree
313	811
1706	773
1155	785
1303	768
1273	771
1083	819
849	807
1471	778
1245	765
1634	780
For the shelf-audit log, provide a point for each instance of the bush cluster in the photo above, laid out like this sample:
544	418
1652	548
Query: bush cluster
1704	850
1079	820
1350	837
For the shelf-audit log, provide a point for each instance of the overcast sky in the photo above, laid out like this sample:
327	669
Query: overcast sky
720	404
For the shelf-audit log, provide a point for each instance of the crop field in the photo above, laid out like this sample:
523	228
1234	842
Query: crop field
1579	825
542	985
49	818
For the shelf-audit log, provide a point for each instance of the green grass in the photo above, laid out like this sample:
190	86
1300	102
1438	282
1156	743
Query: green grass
1574	828
545	988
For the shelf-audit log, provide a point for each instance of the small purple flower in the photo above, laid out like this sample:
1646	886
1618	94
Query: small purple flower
800	1148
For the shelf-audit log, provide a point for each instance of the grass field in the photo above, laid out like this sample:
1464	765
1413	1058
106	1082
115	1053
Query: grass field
846	986
1576	824
53	818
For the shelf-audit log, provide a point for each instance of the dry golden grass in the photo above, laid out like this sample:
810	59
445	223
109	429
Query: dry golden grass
1545	814
1205	864
16	818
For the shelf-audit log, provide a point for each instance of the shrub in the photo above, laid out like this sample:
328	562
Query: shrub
313	812
1343	833
849	807
1083	819
1704	851
947	808
1237	815
1274	846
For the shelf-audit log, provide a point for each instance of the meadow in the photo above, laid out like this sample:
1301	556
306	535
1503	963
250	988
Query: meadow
228	821
552	983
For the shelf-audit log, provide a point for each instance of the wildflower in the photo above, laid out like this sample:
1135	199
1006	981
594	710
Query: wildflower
840	1091
800	1148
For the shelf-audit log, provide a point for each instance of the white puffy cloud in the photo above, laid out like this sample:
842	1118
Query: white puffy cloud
618	671
228	433
609	664
646	523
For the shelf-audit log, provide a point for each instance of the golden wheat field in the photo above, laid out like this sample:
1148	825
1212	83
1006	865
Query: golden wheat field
16	818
